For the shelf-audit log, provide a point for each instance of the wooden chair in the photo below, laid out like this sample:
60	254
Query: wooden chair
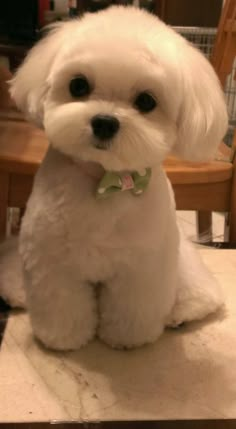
22	148
208	187
203	187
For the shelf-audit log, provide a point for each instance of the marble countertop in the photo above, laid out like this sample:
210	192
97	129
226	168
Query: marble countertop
189	373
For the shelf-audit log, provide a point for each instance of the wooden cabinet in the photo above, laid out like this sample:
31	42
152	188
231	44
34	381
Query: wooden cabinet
191	13
199	13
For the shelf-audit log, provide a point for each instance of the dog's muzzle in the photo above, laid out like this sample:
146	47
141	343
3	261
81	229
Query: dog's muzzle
104	128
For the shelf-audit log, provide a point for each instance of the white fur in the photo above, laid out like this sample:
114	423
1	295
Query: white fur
114	267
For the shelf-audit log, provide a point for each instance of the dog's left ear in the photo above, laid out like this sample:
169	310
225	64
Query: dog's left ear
29	85
202	120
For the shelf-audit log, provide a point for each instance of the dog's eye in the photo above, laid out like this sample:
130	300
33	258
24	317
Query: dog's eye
145	102
79	87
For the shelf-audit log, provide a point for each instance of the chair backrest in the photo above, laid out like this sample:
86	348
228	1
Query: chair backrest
8	109
224	51
5	99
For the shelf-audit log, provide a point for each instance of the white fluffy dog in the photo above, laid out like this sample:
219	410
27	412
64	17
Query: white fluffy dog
116	92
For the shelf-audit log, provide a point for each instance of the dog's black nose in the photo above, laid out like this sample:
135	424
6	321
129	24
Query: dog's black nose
104	126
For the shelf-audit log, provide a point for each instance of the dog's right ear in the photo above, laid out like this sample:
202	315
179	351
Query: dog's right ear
29	85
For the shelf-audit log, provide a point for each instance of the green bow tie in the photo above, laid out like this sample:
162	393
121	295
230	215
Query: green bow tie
111	183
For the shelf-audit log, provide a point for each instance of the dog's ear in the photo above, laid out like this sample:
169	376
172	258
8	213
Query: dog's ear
202	120
29	85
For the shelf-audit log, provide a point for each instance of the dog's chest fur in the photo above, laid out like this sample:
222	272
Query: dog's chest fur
63	208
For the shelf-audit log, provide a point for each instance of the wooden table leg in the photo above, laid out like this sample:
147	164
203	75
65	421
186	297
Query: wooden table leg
4	186
204	226
232	214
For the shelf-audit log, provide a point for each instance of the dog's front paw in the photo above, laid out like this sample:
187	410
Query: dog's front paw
128	338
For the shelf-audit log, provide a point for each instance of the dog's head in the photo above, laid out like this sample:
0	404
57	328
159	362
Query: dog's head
123	89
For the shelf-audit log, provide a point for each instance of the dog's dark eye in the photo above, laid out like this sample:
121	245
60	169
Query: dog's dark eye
79	87
145	102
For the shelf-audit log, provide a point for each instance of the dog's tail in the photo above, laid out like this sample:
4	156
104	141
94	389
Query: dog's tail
11	275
